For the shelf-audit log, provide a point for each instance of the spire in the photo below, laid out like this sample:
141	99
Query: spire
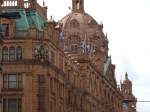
43	3
78	5
126	76
127	81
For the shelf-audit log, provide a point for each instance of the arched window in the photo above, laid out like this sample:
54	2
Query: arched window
11	53
74	24
19	53
5	54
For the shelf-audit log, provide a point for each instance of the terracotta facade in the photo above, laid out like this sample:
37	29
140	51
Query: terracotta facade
49	66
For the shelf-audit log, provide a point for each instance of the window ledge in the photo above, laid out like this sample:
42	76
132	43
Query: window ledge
11	89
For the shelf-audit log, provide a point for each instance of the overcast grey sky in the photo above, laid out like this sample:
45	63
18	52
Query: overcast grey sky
127	23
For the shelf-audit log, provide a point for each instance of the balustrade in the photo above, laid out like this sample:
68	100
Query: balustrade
9	3
20	3
26	4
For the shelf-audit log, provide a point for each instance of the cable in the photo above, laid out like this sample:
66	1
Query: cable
143	101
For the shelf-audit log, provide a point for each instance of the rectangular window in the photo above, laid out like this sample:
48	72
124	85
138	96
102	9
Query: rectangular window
1	33
12	81
5	29
12	105
19	53
11	53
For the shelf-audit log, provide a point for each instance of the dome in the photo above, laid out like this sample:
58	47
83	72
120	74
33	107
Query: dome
83	36
79	25
79	21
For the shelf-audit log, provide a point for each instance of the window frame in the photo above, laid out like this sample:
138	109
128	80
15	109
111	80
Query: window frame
7	83
5	53
5	29
12	53
19	53
6	104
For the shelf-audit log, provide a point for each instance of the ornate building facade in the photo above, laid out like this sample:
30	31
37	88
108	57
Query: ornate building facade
49	66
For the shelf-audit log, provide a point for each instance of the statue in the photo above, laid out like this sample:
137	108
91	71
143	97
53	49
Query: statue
41	53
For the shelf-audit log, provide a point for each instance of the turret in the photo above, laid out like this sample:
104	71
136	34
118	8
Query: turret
129	101
78	5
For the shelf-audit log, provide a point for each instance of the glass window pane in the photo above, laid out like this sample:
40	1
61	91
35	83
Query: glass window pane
12	54
4	105
12	81
19	53
12	78
5	54
19	105
12	105
5	81
5	29
12	85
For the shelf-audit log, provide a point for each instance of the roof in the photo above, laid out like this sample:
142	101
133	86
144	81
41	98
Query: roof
24	20
85	24
10	15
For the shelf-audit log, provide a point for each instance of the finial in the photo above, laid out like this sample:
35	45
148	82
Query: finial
126	76
106	35
101	25
43	3
121	80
